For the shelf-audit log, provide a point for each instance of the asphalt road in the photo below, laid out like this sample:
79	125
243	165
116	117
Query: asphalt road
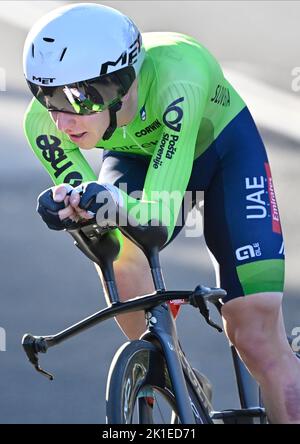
46	284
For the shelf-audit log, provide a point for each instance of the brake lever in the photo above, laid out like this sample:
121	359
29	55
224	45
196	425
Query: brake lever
32	346
199	299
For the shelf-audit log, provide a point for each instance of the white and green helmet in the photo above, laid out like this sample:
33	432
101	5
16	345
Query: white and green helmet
83	58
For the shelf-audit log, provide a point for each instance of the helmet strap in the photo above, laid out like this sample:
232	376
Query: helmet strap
113	120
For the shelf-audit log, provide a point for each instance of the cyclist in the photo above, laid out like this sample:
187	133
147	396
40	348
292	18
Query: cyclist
168	121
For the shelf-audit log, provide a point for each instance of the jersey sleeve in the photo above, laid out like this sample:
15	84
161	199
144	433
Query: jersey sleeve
61	157
182	106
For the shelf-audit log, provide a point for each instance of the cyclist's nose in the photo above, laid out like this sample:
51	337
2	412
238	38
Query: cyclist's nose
65	122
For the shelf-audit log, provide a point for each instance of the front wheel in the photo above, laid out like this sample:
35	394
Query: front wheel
139	389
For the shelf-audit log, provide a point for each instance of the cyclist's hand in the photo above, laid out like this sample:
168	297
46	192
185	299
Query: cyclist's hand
55	209
94	196
80	214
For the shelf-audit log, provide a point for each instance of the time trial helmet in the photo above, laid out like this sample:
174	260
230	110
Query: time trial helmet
83	58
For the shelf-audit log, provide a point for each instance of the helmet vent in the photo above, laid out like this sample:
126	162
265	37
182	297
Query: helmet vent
32	50
48	39
63	54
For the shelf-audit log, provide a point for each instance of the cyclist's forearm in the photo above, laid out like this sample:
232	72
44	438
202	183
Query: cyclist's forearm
61	158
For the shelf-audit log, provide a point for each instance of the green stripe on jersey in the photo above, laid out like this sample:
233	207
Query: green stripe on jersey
262	276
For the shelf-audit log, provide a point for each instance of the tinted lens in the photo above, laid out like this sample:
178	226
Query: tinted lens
53	98
79	98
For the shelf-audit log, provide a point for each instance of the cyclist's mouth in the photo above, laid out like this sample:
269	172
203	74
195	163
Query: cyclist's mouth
77	137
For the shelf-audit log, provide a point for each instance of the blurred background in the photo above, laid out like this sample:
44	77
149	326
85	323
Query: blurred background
47	285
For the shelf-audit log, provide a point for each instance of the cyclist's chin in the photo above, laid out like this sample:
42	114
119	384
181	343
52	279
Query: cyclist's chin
86	141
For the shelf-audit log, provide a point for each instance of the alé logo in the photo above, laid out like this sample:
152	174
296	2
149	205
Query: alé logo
253	250
261	200
248	251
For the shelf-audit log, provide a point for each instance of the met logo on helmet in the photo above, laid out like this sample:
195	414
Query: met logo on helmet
126	58
43	80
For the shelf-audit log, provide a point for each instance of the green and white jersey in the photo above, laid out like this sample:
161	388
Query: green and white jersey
184	102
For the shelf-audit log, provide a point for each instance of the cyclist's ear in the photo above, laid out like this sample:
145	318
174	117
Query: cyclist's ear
125	98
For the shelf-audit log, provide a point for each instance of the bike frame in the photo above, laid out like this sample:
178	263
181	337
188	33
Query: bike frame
162	332
161	328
